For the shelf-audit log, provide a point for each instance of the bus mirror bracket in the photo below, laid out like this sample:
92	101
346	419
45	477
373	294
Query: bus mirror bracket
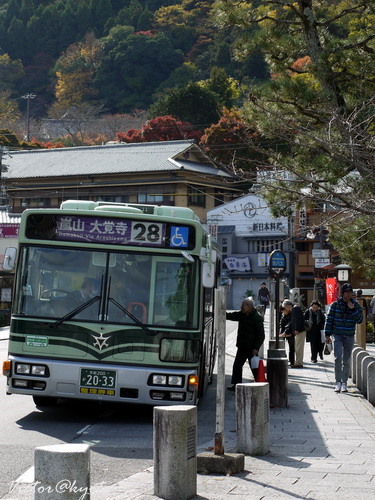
208	270
10	257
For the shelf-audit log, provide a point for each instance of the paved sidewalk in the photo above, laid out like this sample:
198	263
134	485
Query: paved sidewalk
321	447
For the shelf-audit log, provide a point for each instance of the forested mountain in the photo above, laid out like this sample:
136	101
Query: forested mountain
121	54
268	86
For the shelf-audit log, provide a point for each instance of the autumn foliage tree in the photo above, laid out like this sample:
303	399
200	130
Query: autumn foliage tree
75	72
162	128
232	142
320	102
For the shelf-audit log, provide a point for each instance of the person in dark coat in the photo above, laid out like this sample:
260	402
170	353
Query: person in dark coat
264	296
298	326
250	337
286	330
315	319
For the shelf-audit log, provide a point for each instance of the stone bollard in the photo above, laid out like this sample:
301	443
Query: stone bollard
252	417
364	374
353	365
371	383
62	472
175	452
277	376
352	361
358	365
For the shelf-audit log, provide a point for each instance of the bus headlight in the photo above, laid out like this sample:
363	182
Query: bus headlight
159	379
166	380
23	369
175	380
30	369
38	370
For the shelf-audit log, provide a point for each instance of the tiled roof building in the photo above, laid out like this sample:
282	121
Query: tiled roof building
169	173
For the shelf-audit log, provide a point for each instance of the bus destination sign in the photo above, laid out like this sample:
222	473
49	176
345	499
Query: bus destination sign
121	231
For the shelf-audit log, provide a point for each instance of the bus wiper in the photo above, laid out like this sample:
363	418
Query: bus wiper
75	311
136	320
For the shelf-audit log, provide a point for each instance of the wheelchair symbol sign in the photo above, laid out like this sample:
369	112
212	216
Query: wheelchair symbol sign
179	236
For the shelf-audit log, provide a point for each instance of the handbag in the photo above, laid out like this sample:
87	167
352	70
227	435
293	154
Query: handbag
328	348
307	326
254	362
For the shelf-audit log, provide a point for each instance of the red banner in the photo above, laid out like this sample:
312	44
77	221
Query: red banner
331	290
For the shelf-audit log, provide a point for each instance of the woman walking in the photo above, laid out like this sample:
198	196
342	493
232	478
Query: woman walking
314	321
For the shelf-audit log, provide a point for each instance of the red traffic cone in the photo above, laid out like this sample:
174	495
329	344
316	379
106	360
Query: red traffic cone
261	374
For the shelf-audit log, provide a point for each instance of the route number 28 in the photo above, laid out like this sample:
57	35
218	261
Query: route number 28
143	232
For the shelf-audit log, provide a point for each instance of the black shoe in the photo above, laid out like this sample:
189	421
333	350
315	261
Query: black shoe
314	360
321	356
231	388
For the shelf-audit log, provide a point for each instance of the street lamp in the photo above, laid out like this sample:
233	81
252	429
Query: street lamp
28	97
343	273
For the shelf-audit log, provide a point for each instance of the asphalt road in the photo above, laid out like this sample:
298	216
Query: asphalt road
120	436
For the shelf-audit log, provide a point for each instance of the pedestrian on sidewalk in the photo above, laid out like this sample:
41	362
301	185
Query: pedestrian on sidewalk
298	328
250	337
264	296
315	319
342	317
285	329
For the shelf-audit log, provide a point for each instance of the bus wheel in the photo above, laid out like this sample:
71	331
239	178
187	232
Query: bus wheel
44	401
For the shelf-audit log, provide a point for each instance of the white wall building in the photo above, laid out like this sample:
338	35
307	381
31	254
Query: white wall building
248	233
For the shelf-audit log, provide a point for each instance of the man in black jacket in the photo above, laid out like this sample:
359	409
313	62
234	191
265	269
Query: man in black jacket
250	337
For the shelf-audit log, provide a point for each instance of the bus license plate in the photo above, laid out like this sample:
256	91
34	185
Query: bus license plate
98	382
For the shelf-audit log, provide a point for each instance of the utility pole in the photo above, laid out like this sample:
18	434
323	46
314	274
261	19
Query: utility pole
28	97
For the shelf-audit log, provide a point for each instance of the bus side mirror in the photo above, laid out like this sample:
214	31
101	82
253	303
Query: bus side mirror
10	256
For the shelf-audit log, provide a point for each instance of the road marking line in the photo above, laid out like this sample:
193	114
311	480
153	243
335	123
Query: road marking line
84	429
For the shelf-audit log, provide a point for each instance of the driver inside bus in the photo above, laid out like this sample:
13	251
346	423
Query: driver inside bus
64	305
86	292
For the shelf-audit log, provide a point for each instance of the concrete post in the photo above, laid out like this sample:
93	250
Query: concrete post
277	376
371	383
364	374
352	360
353	365
360	356
252	417
62	472
175	452
360	333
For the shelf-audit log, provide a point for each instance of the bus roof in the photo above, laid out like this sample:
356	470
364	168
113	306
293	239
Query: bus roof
159	210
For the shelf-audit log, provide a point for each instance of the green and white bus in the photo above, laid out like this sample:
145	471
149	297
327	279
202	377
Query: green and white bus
112	302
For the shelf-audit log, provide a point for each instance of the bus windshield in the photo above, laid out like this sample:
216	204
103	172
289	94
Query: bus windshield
84	285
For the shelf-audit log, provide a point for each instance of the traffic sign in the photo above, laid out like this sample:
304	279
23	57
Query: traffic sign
320	253
277	263
322	262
